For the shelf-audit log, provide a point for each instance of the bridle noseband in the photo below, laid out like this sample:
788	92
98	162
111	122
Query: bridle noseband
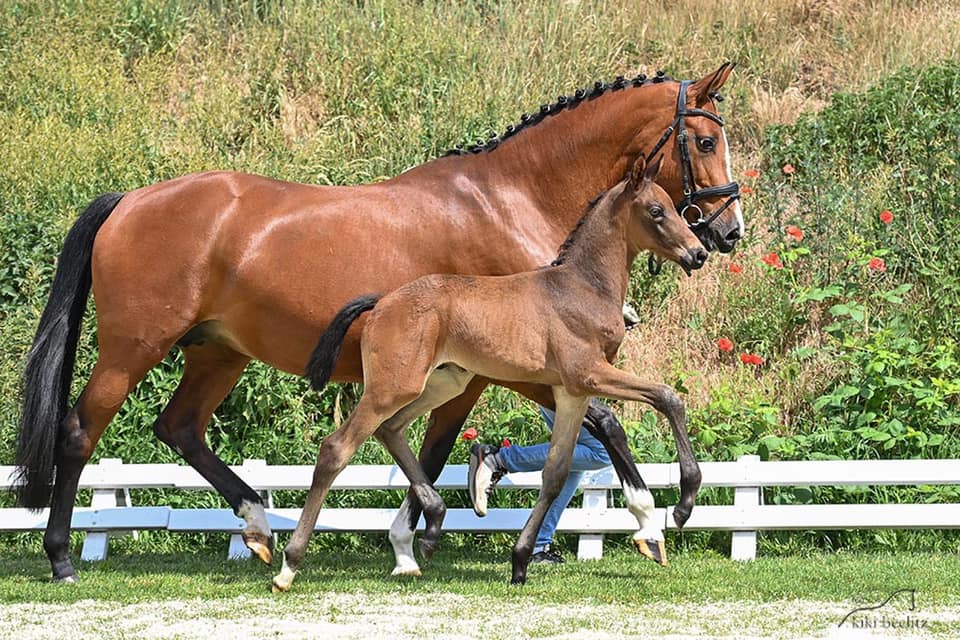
691	194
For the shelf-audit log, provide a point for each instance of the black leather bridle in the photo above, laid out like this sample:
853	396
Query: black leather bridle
691	194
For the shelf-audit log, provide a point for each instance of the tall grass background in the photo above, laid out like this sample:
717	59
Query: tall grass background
111	95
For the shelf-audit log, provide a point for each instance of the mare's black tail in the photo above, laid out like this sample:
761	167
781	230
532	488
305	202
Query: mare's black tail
49	369
327	351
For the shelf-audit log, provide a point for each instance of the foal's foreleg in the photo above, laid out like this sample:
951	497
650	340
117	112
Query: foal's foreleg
566	427
606	380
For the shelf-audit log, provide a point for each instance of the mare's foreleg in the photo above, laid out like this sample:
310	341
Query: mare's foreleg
606	380
566	427
604	426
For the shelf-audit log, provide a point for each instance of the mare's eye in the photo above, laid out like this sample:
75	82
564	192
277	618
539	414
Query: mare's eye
706	144
656	211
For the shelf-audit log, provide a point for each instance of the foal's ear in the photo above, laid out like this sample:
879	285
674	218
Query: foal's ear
638	172
703	89
653	170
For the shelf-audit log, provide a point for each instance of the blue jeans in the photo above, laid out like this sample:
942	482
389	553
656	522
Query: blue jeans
588	454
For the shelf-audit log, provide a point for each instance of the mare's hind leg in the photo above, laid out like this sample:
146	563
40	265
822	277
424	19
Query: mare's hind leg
121	365
446	382
441	435
209	373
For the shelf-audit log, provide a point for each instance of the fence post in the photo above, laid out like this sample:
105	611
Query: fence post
95	543
590	545
238	550
743	545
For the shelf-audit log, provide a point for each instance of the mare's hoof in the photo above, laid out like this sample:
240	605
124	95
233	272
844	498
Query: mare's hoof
260	544
71	579
406	571
652	549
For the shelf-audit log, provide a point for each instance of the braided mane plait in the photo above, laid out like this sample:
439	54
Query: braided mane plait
563	102
572	236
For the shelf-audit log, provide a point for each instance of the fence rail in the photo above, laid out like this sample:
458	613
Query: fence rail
748	476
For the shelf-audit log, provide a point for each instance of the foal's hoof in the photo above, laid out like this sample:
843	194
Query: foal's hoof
406	571
652	549
427	549
260	544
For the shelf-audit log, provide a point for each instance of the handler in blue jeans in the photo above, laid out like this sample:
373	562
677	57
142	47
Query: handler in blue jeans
489	463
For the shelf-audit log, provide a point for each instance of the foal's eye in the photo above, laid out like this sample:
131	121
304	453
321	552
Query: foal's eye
706	144
656	211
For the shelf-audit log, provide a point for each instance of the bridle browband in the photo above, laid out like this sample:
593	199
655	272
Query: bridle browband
690	191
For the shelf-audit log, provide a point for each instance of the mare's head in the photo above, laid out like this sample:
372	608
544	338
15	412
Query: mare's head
653	223
698	173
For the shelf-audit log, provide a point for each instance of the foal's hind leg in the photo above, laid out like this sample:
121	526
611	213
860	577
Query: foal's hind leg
445	382
209	373
441	435
335	453
121	365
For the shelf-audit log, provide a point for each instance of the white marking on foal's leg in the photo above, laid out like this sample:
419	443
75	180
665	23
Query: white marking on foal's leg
257	535
401	537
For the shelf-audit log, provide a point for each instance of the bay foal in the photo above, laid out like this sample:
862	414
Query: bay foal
560	326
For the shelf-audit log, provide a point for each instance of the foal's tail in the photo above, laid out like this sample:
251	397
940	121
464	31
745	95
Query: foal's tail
327	351
49	369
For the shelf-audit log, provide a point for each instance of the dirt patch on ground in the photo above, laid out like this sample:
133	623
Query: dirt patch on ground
452	616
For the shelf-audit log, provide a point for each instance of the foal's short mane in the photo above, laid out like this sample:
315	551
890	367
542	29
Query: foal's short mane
563	102
572	236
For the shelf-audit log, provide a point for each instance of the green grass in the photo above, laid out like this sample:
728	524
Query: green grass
622	577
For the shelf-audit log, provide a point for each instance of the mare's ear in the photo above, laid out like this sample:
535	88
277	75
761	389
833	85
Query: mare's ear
638	172
703	89
653	170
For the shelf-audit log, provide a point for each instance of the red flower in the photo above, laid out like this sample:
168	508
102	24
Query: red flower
725	344
735	268
794	232
752	173
772	260
505	442
746	190
886	216
751	358
789	169
470	434
877	264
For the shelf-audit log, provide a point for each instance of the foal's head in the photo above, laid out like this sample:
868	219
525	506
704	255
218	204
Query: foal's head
653	223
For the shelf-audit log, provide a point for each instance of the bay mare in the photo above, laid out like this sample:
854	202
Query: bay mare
559	326
232	267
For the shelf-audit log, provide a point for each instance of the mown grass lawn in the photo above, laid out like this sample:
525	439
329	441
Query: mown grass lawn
464	594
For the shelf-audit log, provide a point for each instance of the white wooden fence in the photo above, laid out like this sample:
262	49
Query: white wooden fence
747	515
